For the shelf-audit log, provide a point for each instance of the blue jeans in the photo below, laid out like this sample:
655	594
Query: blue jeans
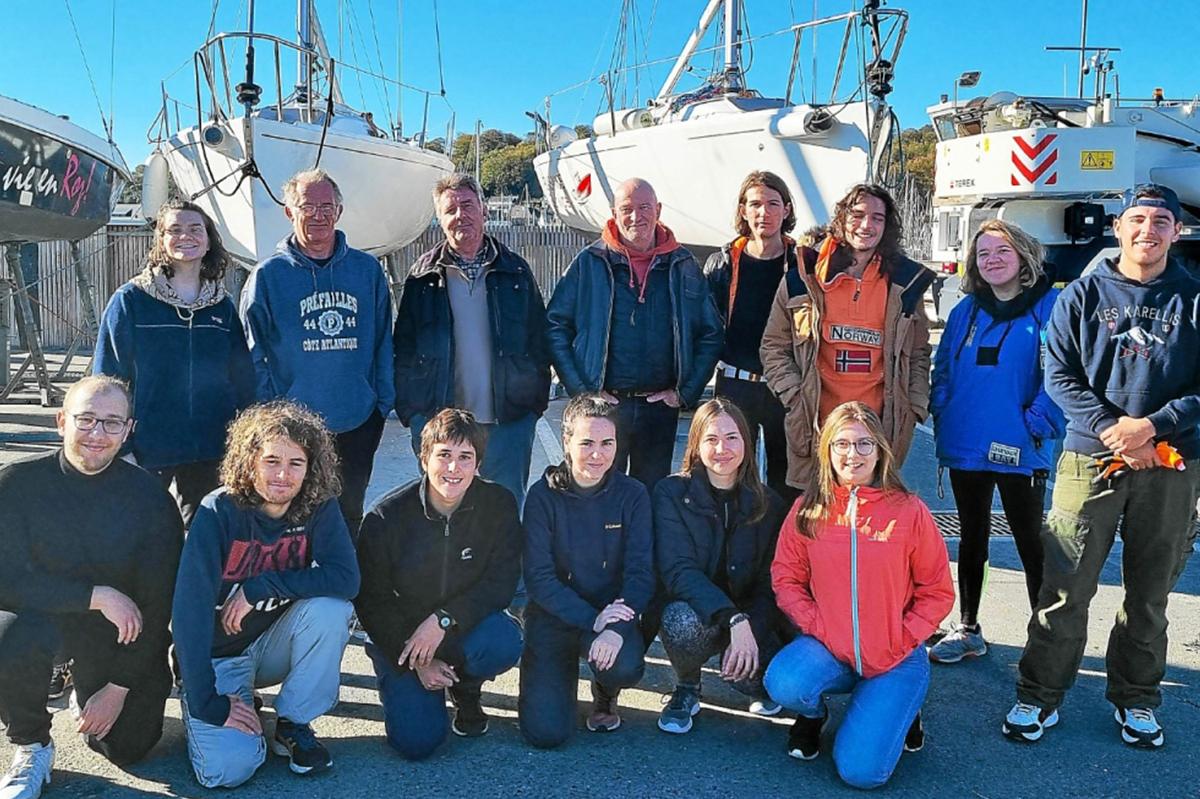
881	709
506	458
414	718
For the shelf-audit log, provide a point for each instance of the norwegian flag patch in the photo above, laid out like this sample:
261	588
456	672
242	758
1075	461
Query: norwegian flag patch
853	361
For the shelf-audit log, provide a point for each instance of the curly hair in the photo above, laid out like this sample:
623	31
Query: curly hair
1030	254
818	498
267	421
215	261
890	244
764	180
747	474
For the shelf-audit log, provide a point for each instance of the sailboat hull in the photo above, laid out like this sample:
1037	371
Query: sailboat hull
697	164
386	185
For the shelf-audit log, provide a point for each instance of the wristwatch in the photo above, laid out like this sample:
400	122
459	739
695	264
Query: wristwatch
737	619
445	620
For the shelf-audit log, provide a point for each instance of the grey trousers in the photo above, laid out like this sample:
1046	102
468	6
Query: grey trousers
303	651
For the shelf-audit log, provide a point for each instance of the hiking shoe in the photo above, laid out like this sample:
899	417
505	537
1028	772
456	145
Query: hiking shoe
1028	722
961	642
29	772
60	680
676	717
469	719
297	742
765	707
914	739
1139	727
804	739
604	716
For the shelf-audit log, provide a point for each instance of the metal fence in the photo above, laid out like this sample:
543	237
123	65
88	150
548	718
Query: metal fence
114	255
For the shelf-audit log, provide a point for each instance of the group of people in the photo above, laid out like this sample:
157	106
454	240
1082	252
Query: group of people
229	516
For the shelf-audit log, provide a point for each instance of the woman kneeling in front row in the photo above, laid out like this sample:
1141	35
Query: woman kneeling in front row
863	635
715	526
440	558
589	574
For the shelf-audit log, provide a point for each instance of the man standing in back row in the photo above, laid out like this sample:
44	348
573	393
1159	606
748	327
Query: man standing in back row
633	319
1122	359
318	318
848	323
471	334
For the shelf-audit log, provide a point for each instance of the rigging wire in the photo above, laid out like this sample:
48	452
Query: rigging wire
212	20
91	79
387	97
437	34
399	67
112	63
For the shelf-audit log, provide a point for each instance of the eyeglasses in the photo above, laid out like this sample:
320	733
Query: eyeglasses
864	446
310	210
85	422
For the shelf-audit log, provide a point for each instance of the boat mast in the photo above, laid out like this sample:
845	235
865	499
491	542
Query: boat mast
1083	47
733	47
710	13
303	64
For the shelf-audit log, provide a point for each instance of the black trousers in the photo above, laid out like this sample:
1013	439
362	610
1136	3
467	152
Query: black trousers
356	454
193	481
762	410
1022	497
550	672
29	641
645	438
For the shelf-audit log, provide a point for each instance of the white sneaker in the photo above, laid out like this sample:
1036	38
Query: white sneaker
1139	727
765	707
1028	722
29	773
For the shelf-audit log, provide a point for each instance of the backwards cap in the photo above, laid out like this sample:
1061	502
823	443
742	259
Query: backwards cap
1143	195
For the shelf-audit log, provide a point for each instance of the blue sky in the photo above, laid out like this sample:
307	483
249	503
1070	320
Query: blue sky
502	57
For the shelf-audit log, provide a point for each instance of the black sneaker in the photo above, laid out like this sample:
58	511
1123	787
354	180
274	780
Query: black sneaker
60	680
804	739
297	742
1139	727
469	719
914	740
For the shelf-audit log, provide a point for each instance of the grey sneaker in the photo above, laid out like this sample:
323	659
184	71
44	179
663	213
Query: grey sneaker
1028	722
765	707
29	772
960	643
676	717
1139	727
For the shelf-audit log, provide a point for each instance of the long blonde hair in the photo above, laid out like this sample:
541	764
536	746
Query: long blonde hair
1030	254
747	474
818	498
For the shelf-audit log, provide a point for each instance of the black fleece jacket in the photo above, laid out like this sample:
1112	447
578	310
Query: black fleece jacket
689	540
414	561
63	532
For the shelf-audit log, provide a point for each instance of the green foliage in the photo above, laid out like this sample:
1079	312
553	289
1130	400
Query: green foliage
509	170
463	151
920	150
132	193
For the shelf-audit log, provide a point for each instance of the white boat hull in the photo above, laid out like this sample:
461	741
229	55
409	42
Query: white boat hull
385	184
696	166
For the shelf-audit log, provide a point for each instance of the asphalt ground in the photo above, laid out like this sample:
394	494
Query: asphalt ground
729	753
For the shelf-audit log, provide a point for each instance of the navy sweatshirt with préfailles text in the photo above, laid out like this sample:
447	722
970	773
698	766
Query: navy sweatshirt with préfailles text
273	561
1116	347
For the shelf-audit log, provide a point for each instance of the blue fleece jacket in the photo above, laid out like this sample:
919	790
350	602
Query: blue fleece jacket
322	335
190	373
989	405
1117	347
582	551
273	561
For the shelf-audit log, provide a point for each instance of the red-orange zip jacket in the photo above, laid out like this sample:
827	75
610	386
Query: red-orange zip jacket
872	585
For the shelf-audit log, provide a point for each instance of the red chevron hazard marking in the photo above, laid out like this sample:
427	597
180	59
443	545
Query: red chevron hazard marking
1032	175
1032	152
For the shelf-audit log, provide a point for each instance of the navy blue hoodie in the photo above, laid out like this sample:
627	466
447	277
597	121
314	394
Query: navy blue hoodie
274	561
1117	347
582	551
189	370
322	335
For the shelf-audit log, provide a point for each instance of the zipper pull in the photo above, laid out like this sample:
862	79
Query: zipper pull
857	291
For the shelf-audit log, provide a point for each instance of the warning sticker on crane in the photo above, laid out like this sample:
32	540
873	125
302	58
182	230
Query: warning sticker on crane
1096	159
